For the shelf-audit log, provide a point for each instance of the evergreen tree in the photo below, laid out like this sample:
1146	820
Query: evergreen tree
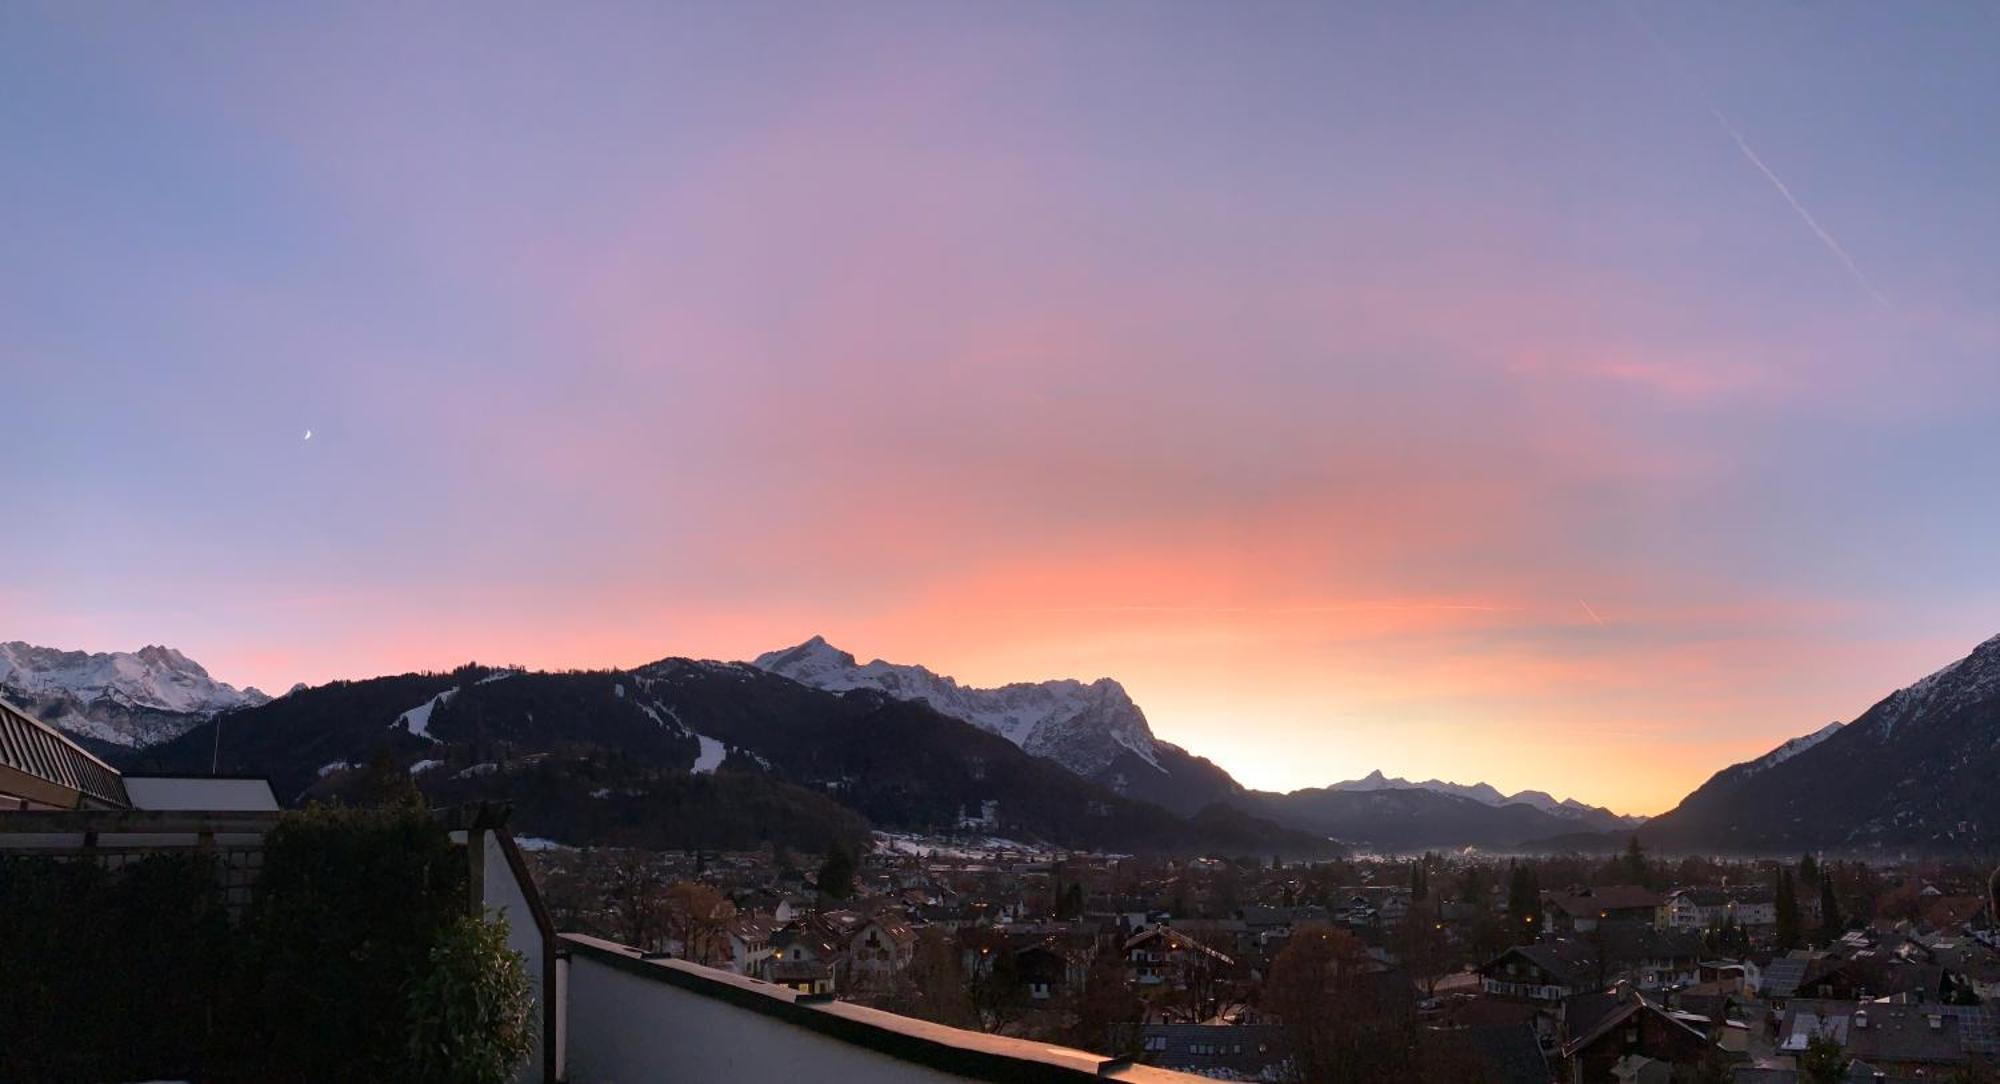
1824	1062
386	784
1524	903
836	874
1788	911
1830	922
1635	862
1808	870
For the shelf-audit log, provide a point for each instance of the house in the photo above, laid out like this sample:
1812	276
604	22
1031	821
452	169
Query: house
1049	969
1222	1051
749	944
1650	958
1697	909
1646	958
1543	971
1633	1029
1162	955
1806	1020
42	769
1912	1040
1392	906
1781	978
1902	1040
790	909
879	950
803	957
1582	910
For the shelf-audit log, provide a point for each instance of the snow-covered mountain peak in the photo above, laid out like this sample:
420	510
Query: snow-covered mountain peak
127	697
815	656
1084	727
1484	794
1790	749
1967	681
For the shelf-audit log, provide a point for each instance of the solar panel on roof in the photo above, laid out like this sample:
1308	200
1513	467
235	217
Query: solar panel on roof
1977	1028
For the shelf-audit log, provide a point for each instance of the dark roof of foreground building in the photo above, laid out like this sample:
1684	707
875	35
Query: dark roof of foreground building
40	768
1509	1053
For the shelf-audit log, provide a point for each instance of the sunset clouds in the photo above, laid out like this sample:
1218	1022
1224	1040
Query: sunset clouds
1302	371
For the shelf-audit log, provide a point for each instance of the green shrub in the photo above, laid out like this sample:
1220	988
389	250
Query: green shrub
108	976
346	912
356	960
471	1017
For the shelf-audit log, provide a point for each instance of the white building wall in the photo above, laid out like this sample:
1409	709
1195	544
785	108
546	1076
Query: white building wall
505	896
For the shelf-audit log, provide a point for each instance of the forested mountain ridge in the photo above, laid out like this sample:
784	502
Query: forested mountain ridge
680	749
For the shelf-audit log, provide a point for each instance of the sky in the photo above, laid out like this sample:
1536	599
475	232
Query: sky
1577	396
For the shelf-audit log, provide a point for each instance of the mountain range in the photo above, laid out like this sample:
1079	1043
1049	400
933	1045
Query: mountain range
805	740
118	698
1094	729
685	753
1489	795
1914	772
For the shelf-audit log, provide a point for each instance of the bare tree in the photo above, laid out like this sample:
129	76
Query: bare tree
1421	943
636	902
698	917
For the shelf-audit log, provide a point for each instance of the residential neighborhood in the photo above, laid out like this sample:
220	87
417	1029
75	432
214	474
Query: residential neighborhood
1463	967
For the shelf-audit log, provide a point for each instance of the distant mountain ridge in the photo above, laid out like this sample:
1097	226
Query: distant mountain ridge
685	753
121	698
1093	729
1096	731
1909	773
1590	816
1915	772
1083	727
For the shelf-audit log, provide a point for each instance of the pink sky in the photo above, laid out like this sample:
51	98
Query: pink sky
1316	375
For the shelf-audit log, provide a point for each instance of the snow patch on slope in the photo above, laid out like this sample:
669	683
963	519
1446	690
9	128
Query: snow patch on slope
713	753
418	719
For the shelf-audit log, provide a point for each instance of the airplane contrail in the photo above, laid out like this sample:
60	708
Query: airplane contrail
1591	612
1812	223
1735	134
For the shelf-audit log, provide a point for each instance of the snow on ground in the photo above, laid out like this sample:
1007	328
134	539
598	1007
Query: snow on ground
498	675
972	848
619	689
712	754
537	843
423	766
653	709
333	766
482	768
418	719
